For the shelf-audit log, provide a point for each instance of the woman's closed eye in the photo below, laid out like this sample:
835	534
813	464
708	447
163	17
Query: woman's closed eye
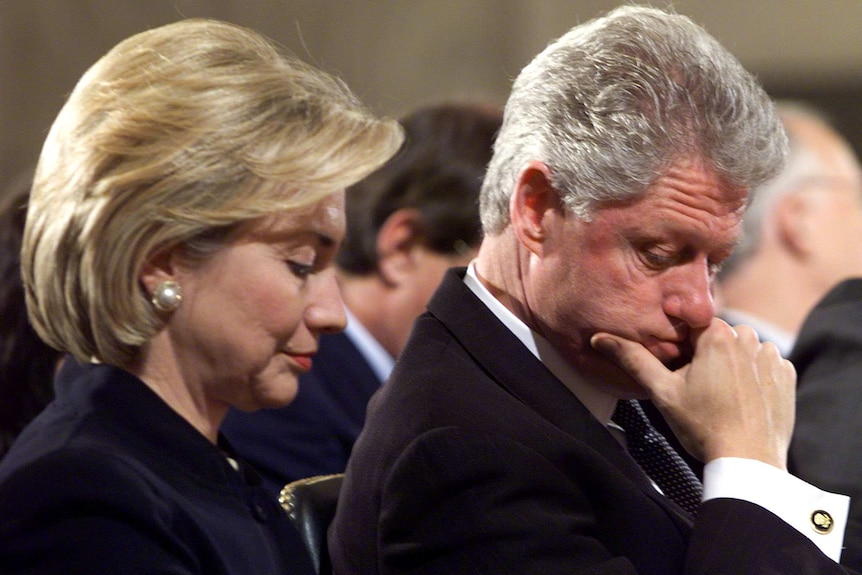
299	269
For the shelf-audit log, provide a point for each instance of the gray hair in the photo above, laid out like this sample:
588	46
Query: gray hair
615	101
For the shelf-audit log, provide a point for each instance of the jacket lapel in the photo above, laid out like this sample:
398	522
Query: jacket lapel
512	366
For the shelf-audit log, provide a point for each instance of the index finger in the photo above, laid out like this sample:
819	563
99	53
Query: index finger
633	358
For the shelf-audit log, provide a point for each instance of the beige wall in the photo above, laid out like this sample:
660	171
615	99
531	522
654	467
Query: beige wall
397	54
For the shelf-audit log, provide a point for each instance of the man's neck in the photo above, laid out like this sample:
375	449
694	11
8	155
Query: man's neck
598	402
776	292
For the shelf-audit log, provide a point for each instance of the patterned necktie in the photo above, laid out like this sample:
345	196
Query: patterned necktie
657	458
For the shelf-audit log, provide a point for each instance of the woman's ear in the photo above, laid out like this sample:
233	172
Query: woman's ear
402	231
532	203
157	269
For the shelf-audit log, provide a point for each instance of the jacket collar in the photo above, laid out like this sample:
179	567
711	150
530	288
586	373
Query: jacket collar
126	407
512	366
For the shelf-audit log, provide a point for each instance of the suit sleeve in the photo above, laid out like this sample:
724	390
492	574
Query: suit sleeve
460	503
734	536
457	503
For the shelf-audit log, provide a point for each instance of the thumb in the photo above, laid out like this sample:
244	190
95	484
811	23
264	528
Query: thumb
633	358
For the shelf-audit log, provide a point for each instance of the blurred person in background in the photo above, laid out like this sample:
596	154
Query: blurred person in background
406	224
183	222
826	447
802	233
27	364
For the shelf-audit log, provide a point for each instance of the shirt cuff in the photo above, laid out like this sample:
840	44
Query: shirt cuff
819	515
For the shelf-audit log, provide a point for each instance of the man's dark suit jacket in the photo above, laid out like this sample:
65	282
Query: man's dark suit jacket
826	449
314	435
476	459
110	480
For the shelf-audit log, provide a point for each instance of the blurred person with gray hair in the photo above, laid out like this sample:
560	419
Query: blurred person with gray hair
801	235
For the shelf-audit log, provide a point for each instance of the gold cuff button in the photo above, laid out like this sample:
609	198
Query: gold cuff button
822	522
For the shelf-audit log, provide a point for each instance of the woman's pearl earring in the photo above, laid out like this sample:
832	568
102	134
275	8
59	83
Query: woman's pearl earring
167	296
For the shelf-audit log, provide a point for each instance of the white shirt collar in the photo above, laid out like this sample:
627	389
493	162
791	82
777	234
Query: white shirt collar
766	331
599	403
378	358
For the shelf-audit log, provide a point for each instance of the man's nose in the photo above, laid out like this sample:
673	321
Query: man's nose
689	296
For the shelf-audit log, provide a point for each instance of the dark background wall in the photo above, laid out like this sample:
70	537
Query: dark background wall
397	54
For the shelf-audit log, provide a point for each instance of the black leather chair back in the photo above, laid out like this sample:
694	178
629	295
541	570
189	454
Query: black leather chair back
310	504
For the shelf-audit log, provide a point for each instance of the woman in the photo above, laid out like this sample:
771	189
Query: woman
184	217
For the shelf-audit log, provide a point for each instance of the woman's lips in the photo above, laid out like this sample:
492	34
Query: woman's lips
303	361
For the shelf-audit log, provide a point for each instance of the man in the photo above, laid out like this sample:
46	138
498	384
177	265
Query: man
407	223
801	234
617	187
827	440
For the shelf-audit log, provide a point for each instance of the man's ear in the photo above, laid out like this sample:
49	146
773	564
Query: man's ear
533	202
402	231
792	213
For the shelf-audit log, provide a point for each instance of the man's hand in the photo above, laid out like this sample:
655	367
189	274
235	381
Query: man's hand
735	399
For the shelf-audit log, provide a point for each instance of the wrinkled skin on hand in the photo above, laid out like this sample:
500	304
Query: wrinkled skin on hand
736	398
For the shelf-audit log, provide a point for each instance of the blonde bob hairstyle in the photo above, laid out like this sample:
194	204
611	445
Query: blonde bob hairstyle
173	139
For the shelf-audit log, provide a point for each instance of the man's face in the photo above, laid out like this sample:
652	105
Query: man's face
642	270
